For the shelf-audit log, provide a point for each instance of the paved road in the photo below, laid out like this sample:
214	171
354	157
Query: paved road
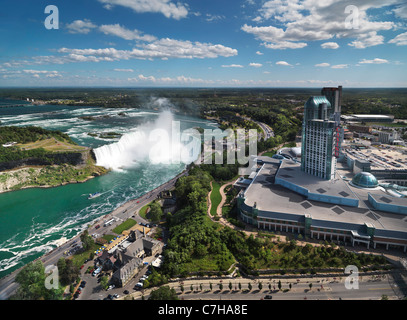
267	131
127	210
322	289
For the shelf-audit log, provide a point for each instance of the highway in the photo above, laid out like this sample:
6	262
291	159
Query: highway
267	131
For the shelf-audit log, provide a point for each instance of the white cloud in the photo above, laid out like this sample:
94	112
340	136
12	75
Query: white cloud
368	40
256	65
178	80
400	40
259	53
283	63
301	21
401	11
211	18
46	73
80	26
232	66
166	7
160	49
123	70
124	33
273	37
330	45
374	61
285	45
324	64
281	10
339	66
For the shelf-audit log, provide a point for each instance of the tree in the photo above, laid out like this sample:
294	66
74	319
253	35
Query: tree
220	286
156	212
210	286
67	270
310	286
230	286
240	286
163	293
31	280
279	284
86	240
182	288
146	284
201	250
250	286
104	282
260	286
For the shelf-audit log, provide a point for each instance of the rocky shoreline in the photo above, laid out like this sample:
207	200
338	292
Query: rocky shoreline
33	174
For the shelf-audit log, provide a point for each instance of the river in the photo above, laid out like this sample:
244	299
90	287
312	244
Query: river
35	221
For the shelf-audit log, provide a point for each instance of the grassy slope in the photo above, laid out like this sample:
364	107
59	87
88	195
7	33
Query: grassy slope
216	198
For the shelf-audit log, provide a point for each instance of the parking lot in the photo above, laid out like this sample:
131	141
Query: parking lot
381	157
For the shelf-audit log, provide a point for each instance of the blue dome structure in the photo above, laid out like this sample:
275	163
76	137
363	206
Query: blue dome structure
365	180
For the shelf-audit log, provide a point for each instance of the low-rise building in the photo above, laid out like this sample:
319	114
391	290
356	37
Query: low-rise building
321	209
126	260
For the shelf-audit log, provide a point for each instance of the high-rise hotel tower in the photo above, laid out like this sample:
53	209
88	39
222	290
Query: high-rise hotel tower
320	141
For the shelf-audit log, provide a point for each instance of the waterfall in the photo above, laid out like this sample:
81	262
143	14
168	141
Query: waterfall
149	142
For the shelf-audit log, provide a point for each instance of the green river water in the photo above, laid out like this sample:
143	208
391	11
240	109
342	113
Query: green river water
35	221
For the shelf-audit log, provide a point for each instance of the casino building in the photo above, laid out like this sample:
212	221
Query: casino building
312	199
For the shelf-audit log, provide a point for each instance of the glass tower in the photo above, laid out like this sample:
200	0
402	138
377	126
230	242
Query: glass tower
318	138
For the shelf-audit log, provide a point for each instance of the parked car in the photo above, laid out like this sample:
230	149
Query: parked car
126	292
268	297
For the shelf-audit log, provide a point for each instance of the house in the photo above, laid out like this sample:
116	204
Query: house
127	261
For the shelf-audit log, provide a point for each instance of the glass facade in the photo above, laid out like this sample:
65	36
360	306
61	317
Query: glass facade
317	150
365	180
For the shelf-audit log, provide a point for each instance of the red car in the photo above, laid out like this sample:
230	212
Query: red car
97	227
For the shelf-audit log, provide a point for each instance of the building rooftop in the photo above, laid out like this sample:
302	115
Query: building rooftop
275	201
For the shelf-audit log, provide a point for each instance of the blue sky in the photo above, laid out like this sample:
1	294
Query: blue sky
204	43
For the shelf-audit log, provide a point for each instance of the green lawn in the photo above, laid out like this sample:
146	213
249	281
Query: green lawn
143	211
216	198
210	263
79	259
124	226
108	237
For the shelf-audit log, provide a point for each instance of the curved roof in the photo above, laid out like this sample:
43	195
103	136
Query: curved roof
315	101
365	180
278	156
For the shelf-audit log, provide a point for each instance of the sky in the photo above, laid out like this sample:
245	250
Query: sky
203	43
